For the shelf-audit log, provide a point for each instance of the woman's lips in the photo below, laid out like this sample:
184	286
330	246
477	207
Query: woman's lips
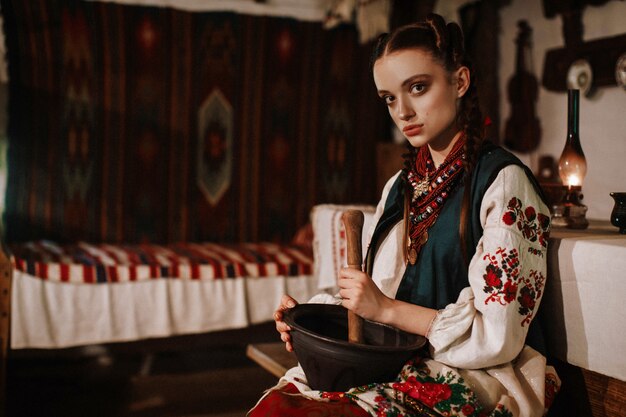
412	130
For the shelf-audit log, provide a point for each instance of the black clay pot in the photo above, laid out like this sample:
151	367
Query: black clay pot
319	335
618	214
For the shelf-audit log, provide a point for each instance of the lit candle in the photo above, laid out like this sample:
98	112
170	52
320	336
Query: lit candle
573	180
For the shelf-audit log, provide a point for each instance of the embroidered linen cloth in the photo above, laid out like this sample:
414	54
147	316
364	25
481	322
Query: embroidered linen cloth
585	298
329	241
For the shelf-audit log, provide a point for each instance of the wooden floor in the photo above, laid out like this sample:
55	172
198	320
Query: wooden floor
196	381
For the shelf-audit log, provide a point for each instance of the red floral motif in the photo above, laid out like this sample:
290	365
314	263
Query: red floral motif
501	411
504	283
510	291
533	225
384	408
527	298
514	203
492	276
429	393
530	293
509	218
334	396
445	393
509	267
467	409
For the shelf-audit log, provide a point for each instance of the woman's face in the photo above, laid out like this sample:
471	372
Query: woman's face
421	96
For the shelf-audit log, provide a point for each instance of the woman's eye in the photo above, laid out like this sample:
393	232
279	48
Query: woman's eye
388	99
418	88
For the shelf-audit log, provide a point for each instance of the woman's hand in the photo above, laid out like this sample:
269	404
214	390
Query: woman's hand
361	295
285	304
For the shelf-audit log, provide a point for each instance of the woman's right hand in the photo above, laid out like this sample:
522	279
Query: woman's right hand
285	304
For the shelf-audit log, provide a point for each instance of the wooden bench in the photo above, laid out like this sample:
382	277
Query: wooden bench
273	357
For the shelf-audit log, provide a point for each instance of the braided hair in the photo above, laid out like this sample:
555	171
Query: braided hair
445	43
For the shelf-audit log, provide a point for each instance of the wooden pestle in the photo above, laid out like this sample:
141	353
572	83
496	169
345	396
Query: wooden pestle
353	223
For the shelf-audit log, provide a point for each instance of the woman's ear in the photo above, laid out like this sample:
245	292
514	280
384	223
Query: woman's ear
462	81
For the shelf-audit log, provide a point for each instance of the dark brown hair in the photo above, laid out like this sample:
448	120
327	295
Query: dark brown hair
445	43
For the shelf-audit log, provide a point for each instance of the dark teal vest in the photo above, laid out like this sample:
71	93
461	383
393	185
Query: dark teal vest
440	272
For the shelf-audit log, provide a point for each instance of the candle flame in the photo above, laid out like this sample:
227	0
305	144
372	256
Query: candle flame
573	180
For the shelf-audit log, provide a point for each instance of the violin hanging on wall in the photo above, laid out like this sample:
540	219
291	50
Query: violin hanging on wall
523	130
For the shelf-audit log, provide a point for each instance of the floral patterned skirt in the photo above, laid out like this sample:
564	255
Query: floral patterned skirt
424	388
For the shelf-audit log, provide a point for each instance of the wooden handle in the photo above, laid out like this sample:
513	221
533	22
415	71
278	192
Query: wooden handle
353	223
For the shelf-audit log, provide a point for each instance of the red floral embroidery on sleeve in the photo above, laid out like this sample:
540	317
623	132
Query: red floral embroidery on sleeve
530	292
533	225
504	283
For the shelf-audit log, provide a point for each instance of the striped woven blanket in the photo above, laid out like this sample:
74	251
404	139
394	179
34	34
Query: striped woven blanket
106	263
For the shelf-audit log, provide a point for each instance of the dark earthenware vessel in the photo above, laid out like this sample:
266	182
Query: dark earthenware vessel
618	215
320	340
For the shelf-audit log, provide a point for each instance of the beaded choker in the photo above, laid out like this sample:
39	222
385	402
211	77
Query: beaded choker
428	195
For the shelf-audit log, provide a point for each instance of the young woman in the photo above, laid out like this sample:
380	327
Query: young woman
458	253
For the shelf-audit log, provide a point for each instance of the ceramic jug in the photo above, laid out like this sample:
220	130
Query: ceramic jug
618	215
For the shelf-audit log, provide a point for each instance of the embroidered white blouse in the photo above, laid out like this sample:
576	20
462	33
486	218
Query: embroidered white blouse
480	337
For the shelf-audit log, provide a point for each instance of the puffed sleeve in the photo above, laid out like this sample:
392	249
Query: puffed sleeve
488	323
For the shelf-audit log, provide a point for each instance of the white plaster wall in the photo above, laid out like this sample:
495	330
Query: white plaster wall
602	116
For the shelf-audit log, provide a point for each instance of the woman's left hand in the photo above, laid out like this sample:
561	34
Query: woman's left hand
361	295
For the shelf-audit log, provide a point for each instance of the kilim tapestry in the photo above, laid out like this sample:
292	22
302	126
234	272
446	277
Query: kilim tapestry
144	124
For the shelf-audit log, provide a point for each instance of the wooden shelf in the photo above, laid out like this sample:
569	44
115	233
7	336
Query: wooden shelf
602	55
